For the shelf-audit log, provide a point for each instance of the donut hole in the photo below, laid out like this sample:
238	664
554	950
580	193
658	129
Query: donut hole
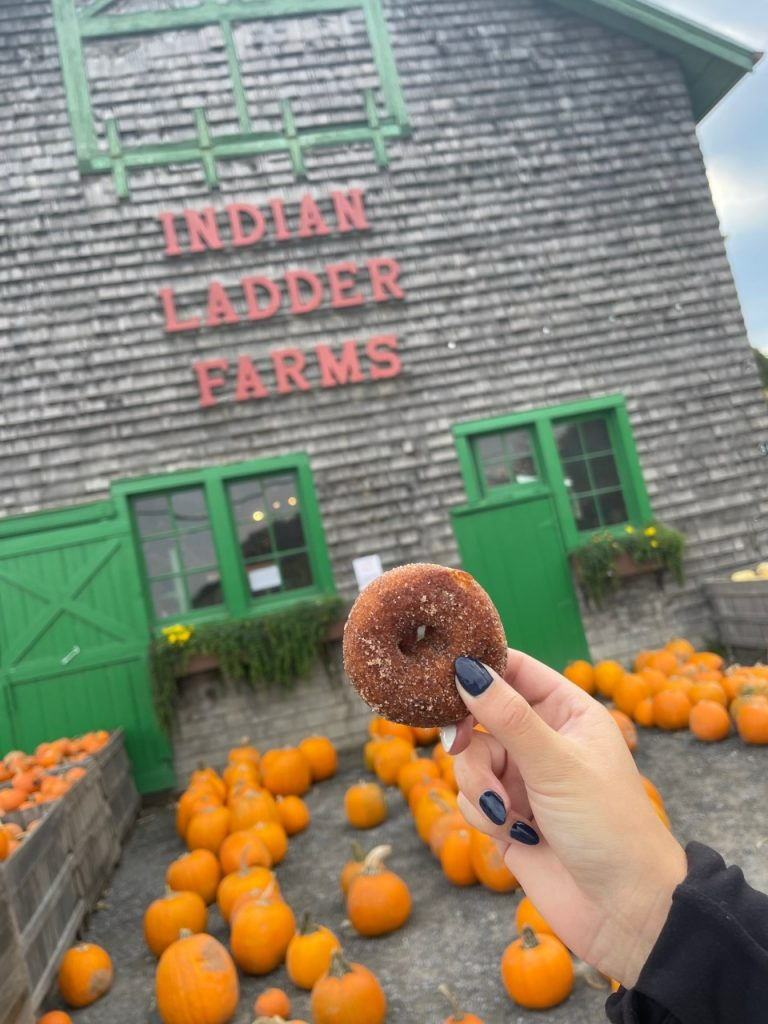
416	642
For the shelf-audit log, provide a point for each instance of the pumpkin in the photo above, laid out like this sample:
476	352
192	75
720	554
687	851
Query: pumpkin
389	757
208	829
5	844
607	674
629	691
489	864
652	791
537	971
270	893
626	727
418	769
671	709
680	647
241	773
708	691
706	660
250	806
244	849
11	799
425	736
274	837
210	778
309	953
55	1017
752	722
378	900
261	931
456	857
644	712
664	661
85	974
448	773
285	772
245	752
196	982
167	917
365	805
352	868
321	756
273	1002
192	802
294	814
457	1015
369	752
197	871
709	721
382	727
348	993
527	915
657	679
244	880
438	785
432	804
582	674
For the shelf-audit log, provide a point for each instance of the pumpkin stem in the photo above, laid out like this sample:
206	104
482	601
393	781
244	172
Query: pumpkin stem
307	924
339	965
456	1011
374	861
169	892
185	933
529	938
269	1020
358	853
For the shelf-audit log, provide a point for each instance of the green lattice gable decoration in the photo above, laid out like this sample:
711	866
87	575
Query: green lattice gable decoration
77	26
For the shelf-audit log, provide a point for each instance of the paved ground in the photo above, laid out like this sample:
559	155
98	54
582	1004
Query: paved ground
713	793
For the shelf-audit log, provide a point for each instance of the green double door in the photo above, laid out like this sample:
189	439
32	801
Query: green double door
514	549
73	644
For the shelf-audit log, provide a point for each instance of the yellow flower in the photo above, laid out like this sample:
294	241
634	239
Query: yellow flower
654	543
650	531
629	529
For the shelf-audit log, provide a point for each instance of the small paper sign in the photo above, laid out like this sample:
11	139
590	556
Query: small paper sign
264	579
367	568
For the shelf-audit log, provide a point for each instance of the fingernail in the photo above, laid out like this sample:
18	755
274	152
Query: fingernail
473	675
524	833
448	737
493	807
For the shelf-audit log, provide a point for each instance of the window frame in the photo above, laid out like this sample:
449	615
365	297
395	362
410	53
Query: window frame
542	423
237	600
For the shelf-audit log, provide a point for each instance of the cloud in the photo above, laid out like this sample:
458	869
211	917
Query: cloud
740	193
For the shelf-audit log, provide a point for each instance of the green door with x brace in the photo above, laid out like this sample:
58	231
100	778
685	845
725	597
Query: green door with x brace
73	641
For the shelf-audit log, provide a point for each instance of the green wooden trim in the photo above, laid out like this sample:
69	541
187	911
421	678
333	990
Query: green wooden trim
235	77
237	600
205	146
74	75
385	63
712	64
37	522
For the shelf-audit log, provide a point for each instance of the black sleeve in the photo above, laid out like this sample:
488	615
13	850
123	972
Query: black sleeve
710	962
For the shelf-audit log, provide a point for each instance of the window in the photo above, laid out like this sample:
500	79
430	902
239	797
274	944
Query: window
180	561
228	541
505	458
590	472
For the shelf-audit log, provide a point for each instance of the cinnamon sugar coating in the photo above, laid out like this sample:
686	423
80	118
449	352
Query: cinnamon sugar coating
403	634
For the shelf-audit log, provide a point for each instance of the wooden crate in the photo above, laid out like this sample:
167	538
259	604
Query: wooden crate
33	868
117	780
741	614
15	987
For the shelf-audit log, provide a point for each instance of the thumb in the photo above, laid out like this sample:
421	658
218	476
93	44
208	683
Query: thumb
535	747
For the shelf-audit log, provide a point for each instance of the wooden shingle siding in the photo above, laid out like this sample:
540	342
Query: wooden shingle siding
557	239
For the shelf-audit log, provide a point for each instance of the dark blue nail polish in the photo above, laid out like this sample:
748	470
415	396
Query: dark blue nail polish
523	833
473	675
493	807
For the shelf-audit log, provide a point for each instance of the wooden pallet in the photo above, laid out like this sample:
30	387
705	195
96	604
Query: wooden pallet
15	986
117	779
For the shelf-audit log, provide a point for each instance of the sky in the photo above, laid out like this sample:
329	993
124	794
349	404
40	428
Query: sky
734	141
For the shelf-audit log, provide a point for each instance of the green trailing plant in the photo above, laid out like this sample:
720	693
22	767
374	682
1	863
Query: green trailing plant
653	544
269	650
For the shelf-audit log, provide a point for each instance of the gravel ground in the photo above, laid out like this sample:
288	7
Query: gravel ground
713	793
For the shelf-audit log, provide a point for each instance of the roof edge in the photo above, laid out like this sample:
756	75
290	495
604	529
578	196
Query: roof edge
712	63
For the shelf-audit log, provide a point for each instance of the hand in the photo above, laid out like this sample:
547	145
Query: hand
605	866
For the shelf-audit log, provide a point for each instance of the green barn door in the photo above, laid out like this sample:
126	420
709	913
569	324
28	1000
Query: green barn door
515	551
73	644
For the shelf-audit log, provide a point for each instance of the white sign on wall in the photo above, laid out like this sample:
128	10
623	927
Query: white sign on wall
367	568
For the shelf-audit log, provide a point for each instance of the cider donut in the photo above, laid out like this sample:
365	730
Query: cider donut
403	634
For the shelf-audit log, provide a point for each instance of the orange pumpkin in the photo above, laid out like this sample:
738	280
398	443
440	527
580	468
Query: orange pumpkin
457	1015
251	806
582	674
208	829
197	871
5	844
365	805
245	752
527	916
55	1017
441	827
430	786
607	674
11	799
192	802
381	727
352	867
709	721
167	917
85	974
242	881
629	691
261	931
348	993
389	757
196	982
285	772
433	804
644	713
378	900
244	849
294	814
456	857
752	722
671	709
537	971
425	736
273	1002
626	726
664	661
270	894
321	756
419	769
708	691
274	837
309	953
489	864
